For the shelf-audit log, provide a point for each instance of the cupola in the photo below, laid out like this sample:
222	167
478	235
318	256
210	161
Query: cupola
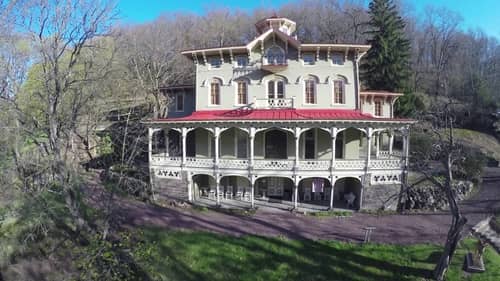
278	23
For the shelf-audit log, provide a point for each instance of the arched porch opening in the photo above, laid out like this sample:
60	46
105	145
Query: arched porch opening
347	193
200	143
235	187
351	143
234	143
274	189
276	144
315	191
204	186
315	144
174	140
159	141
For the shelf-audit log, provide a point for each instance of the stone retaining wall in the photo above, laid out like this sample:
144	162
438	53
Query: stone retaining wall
432	198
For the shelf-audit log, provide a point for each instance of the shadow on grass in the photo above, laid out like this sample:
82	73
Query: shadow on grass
205	256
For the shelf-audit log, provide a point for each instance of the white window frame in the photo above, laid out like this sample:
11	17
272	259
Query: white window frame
181	95
315	91
210	92
276	81
236	102
343	91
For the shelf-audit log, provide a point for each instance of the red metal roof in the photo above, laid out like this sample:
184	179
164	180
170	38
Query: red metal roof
278	114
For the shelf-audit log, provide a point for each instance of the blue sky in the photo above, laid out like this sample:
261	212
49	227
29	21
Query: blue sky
484	14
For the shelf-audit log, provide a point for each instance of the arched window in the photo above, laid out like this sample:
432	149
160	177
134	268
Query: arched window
275	89
310	90
242	92
275	55
339	91
215	92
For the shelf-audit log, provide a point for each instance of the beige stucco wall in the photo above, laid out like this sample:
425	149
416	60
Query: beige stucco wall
323	70
369	107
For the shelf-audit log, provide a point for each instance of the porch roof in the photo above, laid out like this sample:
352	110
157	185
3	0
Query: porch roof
250	114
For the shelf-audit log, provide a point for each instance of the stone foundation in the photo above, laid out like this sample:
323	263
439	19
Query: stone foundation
170	189
376	196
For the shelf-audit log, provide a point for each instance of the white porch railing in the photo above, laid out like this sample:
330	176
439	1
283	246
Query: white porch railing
350	164
233	163
278	164
316	165
199	162
274	103
274	164
386	164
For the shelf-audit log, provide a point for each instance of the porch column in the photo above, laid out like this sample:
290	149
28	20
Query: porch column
297	141
184	135
331	193
217	189
190	188
296	195
252	189
216	139
167	141
251	135
391	143
406	145
377	147
369	144
150	144
333	134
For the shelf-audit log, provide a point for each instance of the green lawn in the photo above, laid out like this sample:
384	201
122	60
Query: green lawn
200	256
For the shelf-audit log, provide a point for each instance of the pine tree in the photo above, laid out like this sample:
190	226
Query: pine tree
386	64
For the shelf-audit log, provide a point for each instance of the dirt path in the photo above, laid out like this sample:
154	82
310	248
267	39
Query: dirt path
399	229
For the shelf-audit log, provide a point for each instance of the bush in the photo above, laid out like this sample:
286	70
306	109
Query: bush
470	166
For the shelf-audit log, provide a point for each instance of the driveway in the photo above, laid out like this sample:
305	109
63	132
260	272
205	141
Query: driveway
397	229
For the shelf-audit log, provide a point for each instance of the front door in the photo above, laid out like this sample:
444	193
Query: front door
276	145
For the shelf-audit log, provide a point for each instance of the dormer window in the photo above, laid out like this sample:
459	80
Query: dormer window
275	55
337	59
308	59
241	61
215	63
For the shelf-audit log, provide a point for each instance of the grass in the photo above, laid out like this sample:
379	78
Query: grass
486	143
324	214
184	255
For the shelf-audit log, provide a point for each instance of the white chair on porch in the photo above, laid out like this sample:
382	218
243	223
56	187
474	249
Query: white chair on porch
229	192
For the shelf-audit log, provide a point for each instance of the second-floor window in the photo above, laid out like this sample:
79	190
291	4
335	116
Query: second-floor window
378	108
215	63
179	102
242	92
338	92
310	91
215	92
275	89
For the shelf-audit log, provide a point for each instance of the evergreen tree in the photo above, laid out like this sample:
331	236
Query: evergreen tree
386	64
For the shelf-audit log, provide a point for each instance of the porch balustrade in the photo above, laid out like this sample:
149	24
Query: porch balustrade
274	103
276	164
